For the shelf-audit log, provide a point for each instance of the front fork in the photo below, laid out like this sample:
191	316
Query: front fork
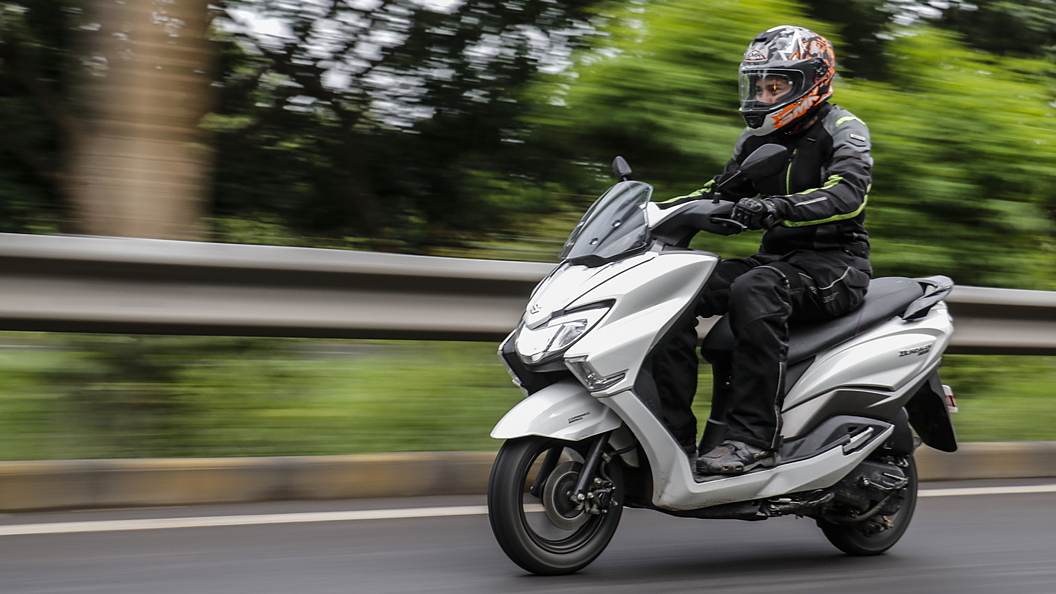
593	490
590	469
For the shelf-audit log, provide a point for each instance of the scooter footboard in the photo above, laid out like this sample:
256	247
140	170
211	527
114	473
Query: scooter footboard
565	410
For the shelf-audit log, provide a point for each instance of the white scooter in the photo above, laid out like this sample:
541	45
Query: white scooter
587	440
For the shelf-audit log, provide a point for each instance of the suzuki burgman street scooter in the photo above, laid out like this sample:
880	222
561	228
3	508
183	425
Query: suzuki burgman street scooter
588	439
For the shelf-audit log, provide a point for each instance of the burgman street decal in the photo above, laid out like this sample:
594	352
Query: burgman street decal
921	350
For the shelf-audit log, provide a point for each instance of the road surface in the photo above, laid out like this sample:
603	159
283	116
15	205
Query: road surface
978	537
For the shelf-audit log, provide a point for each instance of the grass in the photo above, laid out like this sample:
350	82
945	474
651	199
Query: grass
82	396
253	397
1003	398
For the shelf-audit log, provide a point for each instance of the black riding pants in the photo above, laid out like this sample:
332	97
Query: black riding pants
761	294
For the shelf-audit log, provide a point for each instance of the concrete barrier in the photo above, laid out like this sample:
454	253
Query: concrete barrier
1005	460
80	484
84	484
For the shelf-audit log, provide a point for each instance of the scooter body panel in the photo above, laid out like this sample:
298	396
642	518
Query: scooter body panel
675	487
566	284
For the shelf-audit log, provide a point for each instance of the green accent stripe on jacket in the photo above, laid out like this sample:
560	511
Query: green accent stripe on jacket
829	183
832	181
841	217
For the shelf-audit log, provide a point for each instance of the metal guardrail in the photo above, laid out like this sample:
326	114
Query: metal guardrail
95	284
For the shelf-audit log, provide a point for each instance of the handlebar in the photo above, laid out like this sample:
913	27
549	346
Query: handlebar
711	216
730	222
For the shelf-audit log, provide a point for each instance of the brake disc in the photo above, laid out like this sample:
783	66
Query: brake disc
557	493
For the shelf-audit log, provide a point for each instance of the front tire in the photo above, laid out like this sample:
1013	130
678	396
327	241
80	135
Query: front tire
546	535
853	540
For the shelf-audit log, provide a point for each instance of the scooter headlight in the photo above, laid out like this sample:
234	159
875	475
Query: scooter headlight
547	342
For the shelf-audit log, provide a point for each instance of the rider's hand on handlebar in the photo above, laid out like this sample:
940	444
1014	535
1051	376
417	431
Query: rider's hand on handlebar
755	213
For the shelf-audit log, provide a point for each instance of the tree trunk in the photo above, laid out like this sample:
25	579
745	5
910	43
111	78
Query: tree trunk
140	167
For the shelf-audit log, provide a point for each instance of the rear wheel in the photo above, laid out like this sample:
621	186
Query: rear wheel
879	533
547	533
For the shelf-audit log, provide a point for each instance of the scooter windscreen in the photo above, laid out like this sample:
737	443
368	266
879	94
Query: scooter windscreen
614	226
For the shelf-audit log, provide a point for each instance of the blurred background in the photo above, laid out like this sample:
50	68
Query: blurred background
475	128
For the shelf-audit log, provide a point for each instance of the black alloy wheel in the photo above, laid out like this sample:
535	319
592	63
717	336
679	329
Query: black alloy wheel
548	534
859	540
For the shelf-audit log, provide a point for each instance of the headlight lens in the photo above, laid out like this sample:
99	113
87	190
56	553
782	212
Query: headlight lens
549	341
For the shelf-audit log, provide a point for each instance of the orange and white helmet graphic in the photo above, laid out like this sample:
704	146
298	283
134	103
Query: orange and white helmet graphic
786	73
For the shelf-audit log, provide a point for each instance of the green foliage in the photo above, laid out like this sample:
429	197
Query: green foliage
965	176
965	163
1002	398
67	396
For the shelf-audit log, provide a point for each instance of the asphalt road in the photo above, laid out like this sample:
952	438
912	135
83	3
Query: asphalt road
985	543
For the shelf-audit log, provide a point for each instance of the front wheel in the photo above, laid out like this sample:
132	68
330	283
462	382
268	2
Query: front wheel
880	533
546	533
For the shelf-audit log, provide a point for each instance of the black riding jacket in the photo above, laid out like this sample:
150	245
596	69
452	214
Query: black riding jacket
821	194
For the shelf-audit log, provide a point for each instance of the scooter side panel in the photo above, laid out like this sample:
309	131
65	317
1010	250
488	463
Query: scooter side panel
564	410
886	358
883	404
648	299
675	488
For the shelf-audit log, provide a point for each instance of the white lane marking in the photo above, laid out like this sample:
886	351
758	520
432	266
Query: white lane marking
246	520
375	514
987	491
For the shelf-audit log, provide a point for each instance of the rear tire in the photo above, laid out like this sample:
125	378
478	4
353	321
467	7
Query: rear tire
850	539
530	537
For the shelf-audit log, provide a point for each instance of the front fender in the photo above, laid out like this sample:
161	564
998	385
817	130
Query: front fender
564	410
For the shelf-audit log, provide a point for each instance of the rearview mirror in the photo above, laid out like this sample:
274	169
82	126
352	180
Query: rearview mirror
621	169
764	161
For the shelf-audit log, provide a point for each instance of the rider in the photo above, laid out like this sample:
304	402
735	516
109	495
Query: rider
814	259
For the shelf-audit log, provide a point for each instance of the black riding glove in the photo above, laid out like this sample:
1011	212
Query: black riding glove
755	213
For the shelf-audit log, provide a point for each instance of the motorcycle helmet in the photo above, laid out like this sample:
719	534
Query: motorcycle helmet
786	73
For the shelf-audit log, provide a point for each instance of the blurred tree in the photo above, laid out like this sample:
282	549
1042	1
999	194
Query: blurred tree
35	55
1025	28
1020	27
101	104
391	119
864	26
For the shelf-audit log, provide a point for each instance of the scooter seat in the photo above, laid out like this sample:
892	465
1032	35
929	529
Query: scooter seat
886	298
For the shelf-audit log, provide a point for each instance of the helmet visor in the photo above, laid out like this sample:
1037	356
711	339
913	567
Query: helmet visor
764	89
